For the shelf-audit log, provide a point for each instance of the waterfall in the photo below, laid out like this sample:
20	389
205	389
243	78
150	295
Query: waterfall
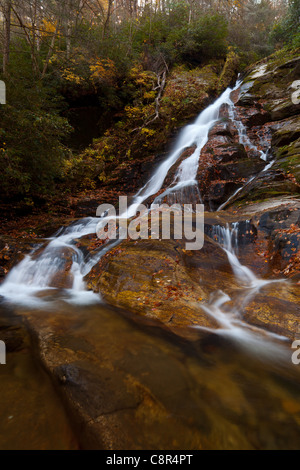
38	271
227	312
195	134
228	239
245	140
242	133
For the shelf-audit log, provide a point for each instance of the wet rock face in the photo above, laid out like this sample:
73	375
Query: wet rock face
12	251
225	163
263	120
127	387
276	309
160	279
224	166
268	90
274	239
12	332
265	108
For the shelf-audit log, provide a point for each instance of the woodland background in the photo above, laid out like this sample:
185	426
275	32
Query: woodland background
113	55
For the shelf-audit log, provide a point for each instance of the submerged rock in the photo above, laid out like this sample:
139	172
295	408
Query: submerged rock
129	384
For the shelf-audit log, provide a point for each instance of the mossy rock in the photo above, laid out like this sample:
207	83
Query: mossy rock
289	159
229	72
288	132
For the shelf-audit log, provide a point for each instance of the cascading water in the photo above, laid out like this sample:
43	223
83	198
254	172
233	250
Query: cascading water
195	134
245	140
228	239
36	273
222	307
242	133
207	395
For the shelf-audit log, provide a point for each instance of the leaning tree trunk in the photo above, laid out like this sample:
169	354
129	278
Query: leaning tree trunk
6	47
69	29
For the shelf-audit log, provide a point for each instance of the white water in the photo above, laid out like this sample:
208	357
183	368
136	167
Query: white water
245	140
228	315
228	239
31	281
242	132
35	274
195	134
187	170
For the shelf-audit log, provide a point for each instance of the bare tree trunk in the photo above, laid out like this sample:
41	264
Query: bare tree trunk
107	19
34	58
135	5
50	51
7	18
69	29
161	83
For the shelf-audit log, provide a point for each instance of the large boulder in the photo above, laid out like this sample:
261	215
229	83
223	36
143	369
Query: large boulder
161	280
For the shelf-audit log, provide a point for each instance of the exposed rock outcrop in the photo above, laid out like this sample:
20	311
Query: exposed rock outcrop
157	279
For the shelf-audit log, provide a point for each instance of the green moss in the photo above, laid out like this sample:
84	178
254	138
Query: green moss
229	71
137	135
282	56
288	158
